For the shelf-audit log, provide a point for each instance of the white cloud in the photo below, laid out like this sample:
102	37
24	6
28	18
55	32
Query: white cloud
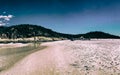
7	18
2	23
4	19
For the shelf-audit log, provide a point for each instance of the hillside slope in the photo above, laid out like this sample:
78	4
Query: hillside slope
27	30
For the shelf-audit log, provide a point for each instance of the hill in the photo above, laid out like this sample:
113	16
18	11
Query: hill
27	31
99	35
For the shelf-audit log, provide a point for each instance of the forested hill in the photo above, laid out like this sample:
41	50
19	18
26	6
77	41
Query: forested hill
99	35
27	30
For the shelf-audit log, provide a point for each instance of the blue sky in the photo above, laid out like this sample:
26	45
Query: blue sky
66	16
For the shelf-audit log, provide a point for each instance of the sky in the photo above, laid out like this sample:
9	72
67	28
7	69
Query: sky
65	16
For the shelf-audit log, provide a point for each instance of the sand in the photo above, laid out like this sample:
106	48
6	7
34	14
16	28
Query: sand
95	57
12	45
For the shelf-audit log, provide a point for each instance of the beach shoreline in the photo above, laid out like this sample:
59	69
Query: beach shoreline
71	57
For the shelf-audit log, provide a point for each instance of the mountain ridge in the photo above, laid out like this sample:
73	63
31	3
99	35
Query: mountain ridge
29	30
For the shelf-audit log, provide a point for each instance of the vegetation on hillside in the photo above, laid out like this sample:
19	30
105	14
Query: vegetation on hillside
27	31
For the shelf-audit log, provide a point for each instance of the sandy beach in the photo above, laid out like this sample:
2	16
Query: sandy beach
94	57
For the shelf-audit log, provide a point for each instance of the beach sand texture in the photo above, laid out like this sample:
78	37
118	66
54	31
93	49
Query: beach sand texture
94	57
